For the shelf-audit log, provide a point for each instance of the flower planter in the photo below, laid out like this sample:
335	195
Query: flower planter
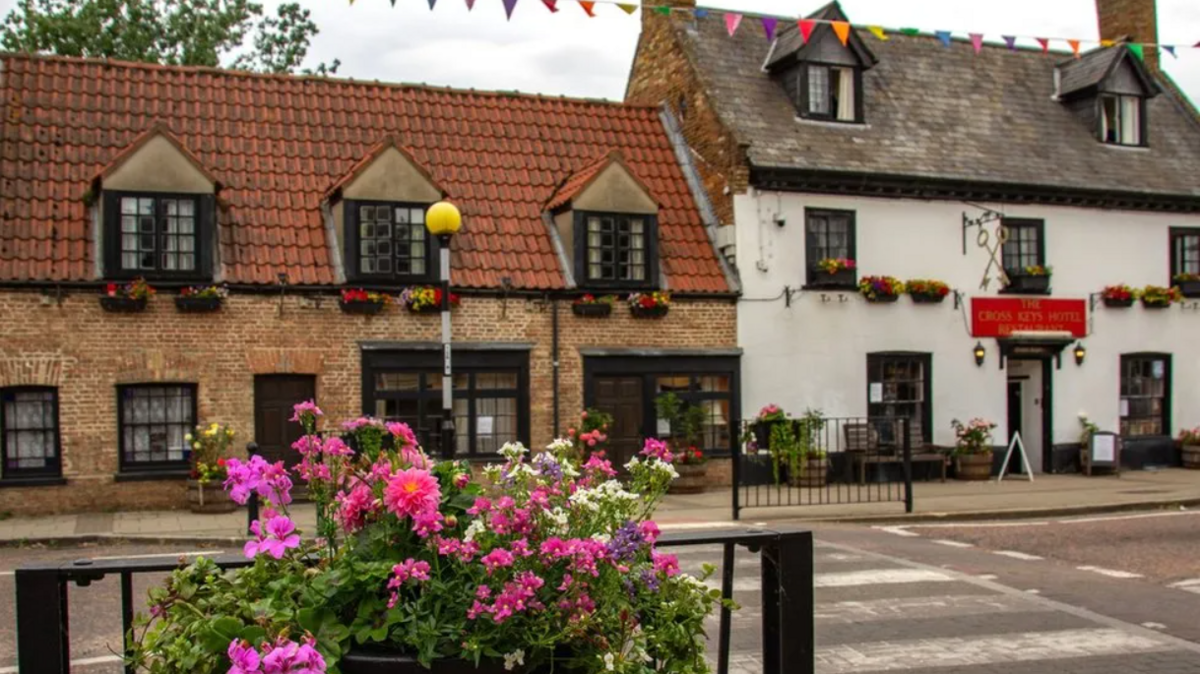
762	433
362	308
1189	288
692	479
594	310
1155	304
123	305
198	304
208	497
974	467
649	312
881	299
1115	303
1191	456
928	298
845	278
435	309
1029	284
814	476
380	662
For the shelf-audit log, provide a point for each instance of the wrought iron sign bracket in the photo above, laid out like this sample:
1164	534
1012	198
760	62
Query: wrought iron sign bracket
841	298
1190	306
969	222
1093	300
958	299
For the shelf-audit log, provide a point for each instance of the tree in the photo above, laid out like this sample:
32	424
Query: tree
172	32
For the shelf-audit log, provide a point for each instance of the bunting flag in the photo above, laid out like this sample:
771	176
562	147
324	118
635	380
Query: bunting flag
1074	47
628	9
431	4
842	29
665	11
1011	41
976	41
877	31
1045	42
588	6
551	5
470	5
911	31
1138	51
1170	49
732	21
769	25
1107	43
509	6
944	36
700	13
806	29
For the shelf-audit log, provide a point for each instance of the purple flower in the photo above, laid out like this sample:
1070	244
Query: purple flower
242	657
625	544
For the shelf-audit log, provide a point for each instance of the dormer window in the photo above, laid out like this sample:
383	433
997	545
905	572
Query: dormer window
829	92
1108	88
617	246
1121	119
392	242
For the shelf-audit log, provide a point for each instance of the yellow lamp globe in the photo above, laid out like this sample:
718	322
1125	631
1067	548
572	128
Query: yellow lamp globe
443	219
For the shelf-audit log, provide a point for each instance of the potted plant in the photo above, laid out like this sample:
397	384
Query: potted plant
925	291
1119	296
415	565
809	465
128	298
206	480
1157	297
590	305
650	305
1189	444
201	299
590	434
685	434
359	301
1032	279
758	432
973	449
881	289
1188	284
835	272
425	299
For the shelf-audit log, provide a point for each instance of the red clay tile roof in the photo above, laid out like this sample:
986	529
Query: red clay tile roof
578	181
279	144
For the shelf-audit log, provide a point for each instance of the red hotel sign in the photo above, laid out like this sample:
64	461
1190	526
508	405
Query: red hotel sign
1002	316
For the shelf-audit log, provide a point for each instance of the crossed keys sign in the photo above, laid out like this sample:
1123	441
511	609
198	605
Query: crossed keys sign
995	254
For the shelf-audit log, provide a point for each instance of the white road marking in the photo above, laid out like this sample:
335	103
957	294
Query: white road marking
81	662
879	577
1111	573
973	525
909	608
1034	591
1154	626
680	526
954	544
1185	584
1018	555
7	573
987	576
157	555
899	531
1118	518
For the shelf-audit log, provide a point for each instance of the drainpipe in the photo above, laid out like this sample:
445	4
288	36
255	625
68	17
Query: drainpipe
554	359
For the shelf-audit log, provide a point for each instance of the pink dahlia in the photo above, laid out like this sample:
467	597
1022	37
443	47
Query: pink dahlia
413	491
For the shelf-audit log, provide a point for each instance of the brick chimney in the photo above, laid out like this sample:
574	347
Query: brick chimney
1132	20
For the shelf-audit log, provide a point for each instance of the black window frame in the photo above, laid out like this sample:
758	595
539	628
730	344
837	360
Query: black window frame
1143	141
812	272
1177	237
877	361
1167	397
583	269
802	95
352	255
53	470
205	238
126	466
428	364
1019	224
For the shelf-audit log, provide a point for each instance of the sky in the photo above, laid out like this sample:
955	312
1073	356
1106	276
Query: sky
570	54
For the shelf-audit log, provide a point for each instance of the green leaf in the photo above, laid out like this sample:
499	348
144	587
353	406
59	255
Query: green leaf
254	634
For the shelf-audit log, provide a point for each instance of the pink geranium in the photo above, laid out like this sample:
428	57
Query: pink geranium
413	491
657	449
242	657
279	538
308	407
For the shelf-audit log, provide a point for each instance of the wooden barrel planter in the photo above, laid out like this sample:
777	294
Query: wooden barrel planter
1191	457
693	479
814	476
974	467
208	497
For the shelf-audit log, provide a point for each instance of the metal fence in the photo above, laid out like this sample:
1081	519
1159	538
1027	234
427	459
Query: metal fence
810	462
43	626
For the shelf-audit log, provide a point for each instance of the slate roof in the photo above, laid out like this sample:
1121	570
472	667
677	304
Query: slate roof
278	144
941	113
1088	70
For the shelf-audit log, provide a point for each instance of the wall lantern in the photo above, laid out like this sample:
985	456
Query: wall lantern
980	352
1080	353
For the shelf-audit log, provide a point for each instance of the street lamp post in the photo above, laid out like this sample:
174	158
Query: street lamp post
443	221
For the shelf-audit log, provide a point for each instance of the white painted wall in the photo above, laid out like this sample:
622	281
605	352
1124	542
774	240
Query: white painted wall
813	353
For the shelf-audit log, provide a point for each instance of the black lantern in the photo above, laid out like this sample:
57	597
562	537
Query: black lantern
1080	353
980	352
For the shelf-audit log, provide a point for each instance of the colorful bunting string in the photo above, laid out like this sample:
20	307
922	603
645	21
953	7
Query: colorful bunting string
842	30
976	41
769	23
806	29
732	21
944	36
1045	42
877	31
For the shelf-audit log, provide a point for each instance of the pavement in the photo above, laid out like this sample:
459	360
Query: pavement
1047	495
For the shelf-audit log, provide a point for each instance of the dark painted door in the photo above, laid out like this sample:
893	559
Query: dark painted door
1015	421
622	398
274	396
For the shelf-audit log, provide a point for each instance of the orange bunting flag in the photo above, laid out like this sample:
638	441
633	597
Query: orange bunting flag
843	31
877	31
806	29
976	41
628	9
1045	42
588	6
1074	47
732	21
551	5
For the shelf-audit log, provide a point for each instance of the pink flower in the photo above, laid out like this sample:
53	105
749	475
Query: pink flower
666	564
496	559
657	449
335	447
288	657
242	657
427	523
412	491
414	457
482	505
461	480
650	531
356	506
307	407
307	444
403	572
597	465
280	538
402	433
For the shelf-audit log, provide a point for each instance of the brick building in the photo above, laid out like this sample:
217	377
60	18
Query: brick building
288	190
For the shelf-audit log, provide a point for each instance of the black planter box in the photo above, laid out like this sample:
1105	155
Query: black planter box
1155	305
435	309
595	310
1114	303
651	312
363	308
845	278
359	661
122	305
1039	285
881	299
928	298
1189	288
198	304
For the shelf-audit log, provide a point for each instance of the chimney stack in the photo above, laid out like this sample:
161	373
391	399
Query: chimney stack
1132	21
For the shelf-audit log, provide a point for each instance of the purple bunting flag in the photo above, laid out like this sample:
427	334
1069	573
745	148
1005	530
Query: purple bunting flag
509	6
1010	41
769	24
470	5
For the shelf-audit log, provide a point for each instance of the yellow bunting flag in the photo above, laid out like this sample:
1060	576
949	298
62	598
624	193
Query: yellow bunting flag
1107	43
842	29
628	9
877	31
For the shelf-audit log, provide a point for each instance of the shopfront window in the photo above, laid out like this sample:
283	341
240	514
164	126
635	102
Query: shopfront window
1145	394
899	387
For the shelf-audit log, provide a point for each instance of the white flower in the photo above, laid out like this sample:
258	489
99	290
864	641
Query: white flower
1082	414
513	659
492	472
633	464
560	519
523	468
559	446
568	469
476	527
512	450
608	662
660	466
603	538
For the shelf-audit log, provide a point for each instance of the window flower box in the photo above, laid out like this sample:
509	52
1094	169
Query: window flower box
363	303
1188	284
425	299
1119	296
590	306
1157	297
649	305
127	299
123	305
201	299
881	289
1030	280
835	273
924	291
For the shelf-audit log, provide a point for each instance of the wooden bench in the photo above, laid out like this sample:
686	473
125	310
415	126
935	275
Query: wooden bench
862	447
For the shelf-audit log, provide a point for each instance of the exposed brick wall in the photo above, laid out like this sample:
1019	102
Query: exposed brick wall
86	352
1134	19
662	74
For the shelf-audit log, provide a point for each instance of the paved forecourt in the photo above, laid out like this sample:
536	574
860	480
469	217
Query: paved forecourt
877	613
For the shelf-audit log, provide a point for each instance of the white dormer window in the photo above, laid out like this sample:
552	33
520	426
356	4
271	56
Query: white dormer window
1121	119
830	93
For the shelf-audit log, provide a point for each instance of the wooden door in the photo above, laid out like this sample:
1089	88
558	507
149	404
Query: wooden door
622	398
274	397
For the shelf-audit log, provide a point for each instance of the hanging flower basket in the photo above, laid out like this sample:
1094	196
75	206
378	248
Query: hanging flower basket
593	307
650	305
834	273
1188	284
1033	280
201	299
128	298
1157	297
363	303
923	291
123	305
1119	296
425	299
880	289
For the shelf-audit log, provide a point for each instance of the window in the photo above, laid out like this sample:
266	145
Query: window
1121	119
709	391
388	241
153	422
1145	394
157	235
29	432
828	234
618	249
490	398
1185	252
1024	247
829	92
899	386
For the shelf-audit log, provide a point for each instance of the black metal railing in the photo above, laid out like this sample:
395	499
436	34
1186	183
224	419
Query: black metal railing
43	625
831	461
